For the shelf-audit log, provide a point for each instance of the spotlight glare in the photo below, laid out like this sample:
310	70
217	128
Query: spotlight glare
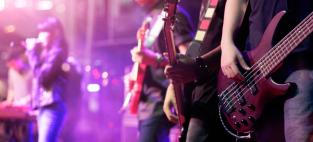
87	68
9	29
105	75
20	3
44	5
2	5
93	88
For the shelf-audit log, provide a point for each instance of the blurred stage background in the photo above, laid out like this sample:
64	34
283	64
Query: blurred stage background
100	34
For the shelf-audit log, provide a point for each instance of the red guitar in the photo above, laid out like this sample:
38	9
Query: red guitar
169	20
138	71
242	103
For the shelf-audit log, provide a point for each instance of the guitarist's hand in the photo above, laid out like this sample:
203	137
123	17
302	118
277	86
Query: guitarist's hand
169	102
230	58
145	56
183	71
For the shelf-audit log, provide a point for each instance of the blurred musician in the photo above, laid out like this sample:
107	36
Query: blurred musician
19	79
47	55
153	124
15	108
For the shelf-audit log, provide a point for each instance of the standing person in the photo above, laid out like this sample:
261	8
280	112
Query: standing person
153	125
19	91
19	79
199	75
47	53
291	120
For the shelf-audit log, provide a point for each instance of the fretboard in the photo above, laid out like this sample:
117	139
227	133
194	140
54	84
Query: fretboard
285	46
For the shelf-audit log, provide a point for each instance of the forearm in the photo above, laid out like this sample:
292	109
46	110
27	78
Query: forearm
170	102
183	48
234	13
51	68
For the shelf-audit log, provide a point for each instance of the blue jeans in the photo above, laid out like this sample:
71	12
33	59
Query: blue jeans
298	110
290	119
49	121
154	129
197	131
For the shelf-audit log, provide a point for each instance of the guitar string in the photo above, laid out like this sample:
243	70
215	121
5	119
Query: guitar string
261	58
234	86
292	37
253	83
270	52
250	74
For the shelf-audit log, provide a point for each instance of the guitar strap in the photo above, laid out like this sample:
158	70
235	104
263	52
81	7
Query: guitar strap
194	51
206	20
209	31
155	30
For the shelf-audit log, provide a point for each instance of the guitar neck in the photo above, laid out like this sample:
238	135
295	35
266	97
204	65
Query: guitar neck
140	44
169	38
283	48
142	36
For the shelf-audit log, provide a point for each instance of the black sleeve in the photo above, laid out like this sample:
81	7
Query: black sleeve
51	68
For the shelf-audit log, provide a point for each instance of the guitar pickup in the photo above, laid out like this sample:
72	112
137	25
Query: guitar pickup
250	84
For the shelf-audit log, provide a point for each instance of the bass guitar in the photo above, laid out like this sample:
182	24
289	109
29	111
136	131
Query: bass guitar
242	102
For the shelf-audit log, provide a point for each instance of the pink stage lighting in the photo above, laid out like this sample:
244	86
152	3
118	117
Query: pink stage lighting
2	5
21	3
44	5
93	88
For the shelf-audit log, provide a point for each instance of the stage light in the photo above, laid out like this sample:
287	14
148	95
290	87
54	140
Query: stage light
93	88
105	82
20	3
87	68
105	75
2	5
95	74
44	5
9	29
66	67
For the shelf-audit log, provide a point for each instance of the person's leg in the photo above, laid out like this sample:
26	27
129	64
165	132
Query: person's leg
49	122
154	129
207	131
197	131
205	124
163	130
24	131
298	110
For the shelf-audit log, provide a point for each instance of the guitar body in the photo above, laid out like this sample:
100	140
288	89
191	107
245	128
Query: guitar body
138	72
252	94
243	115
